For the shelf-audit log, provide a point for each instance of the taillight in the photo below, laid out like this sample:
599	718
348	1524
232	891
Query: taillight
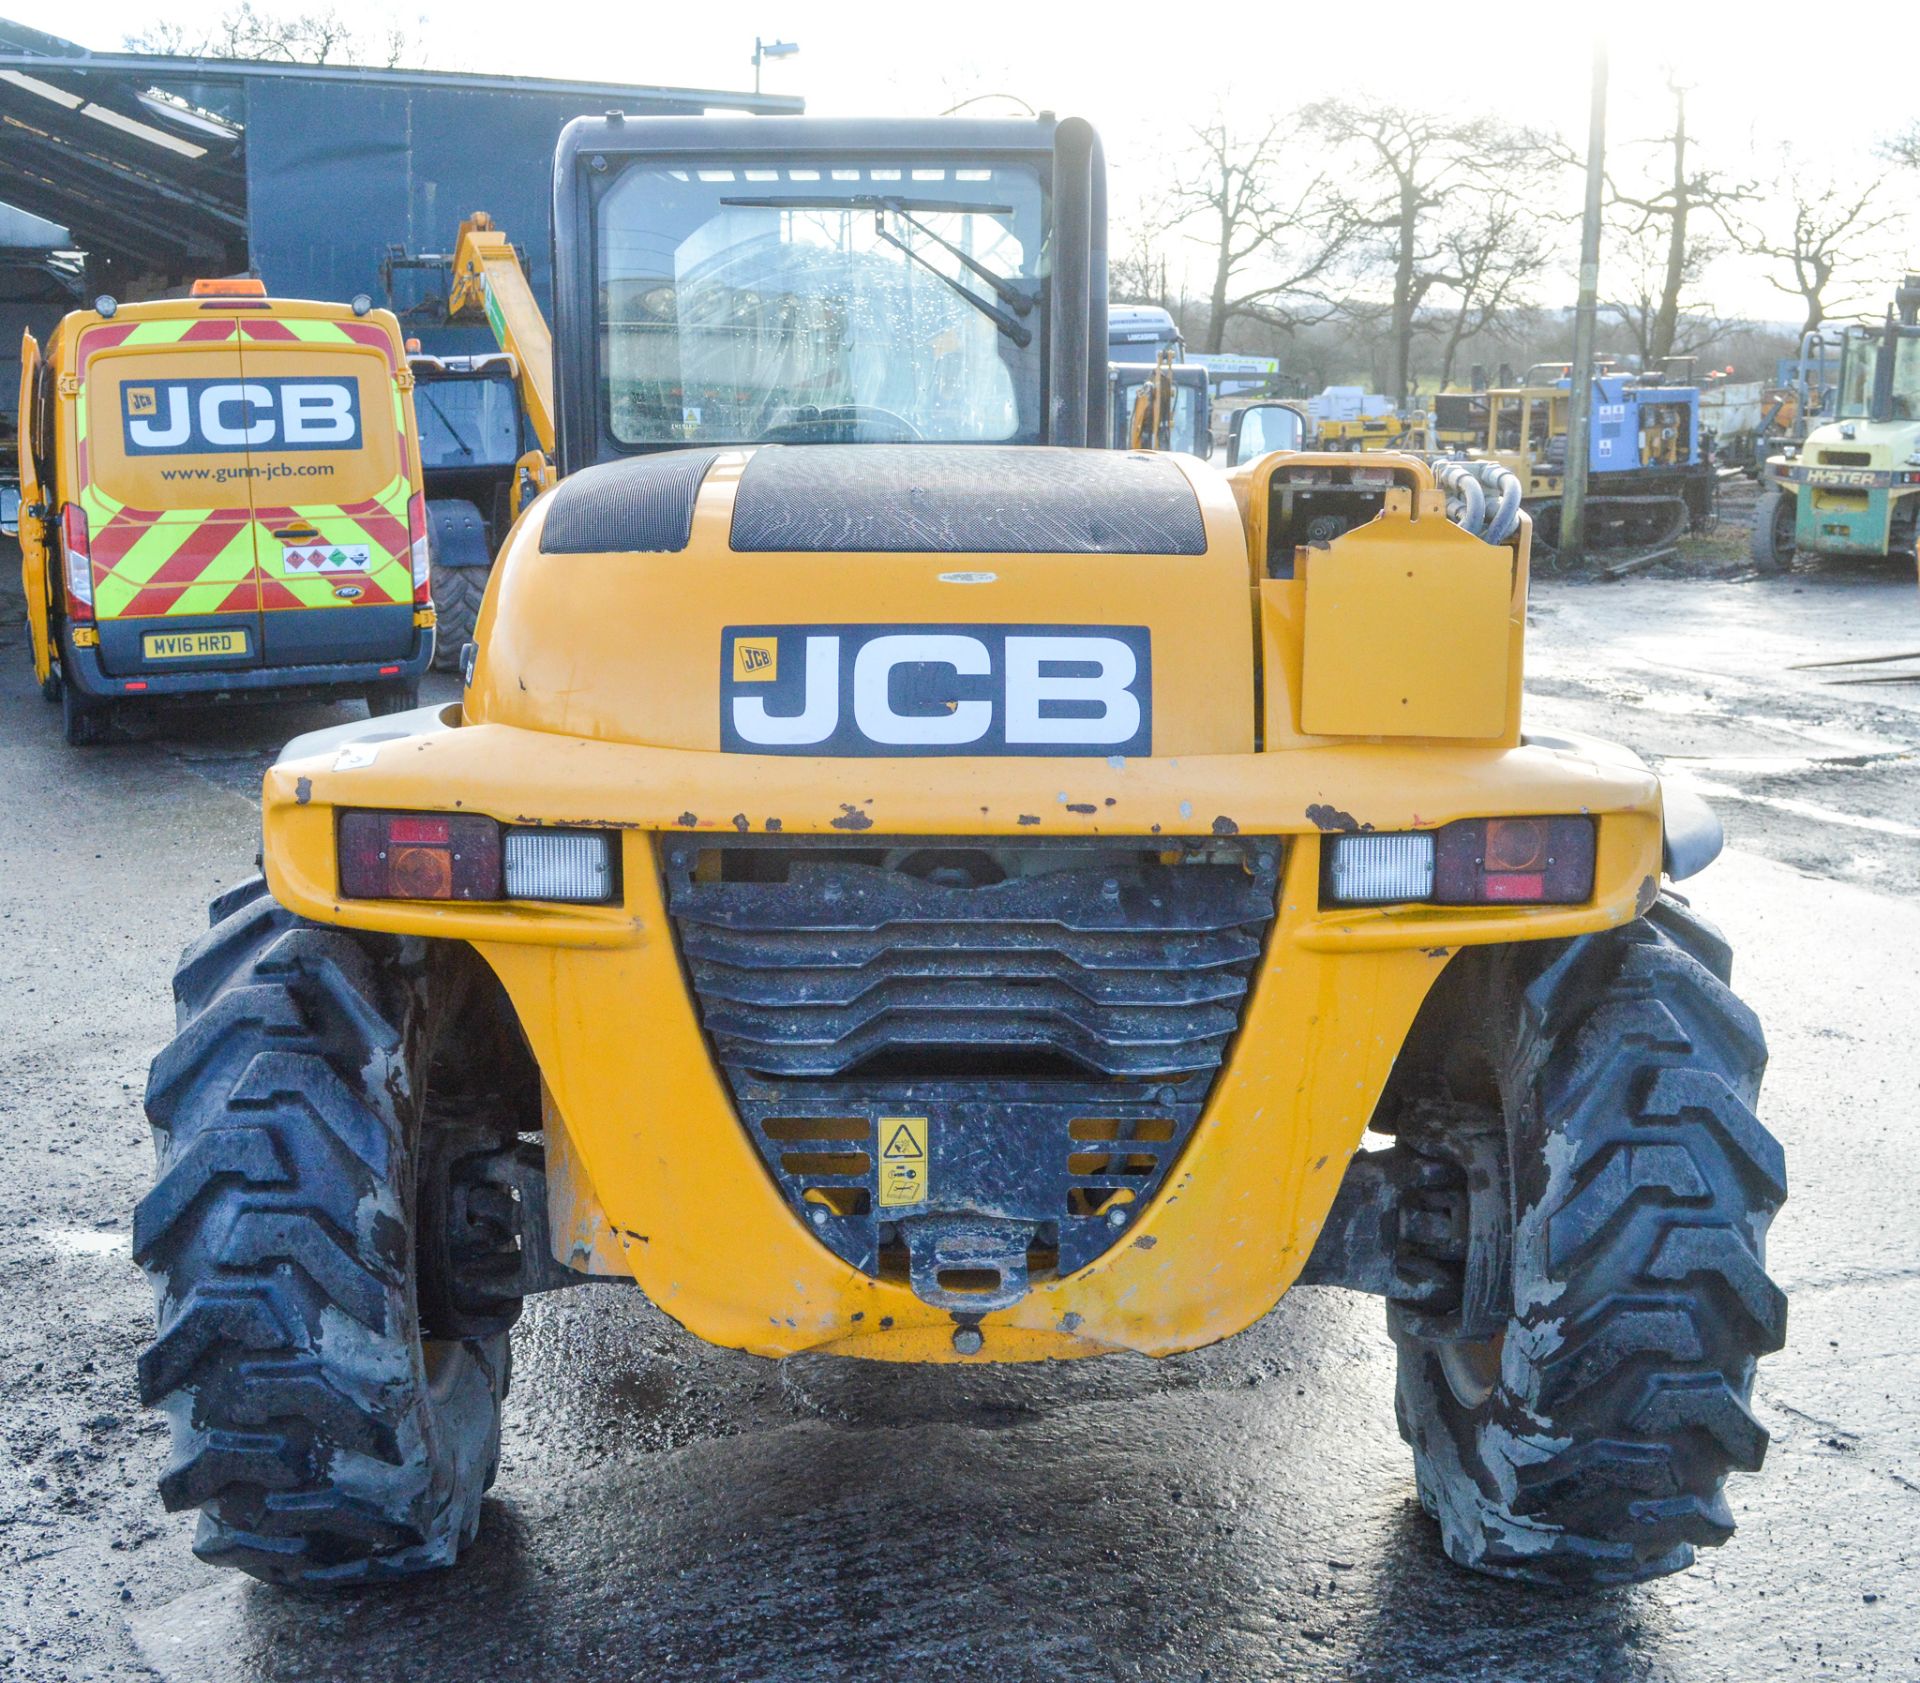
419	856
446	856
417	533
1518	861
1475	862
77	541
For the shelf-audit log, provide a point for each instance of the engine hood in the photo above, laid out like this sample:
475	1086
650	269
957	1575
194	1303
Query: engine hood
1862	443
846	600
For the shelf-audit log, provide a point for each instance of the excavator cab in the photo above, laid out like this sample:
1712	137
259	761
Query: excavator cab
739	281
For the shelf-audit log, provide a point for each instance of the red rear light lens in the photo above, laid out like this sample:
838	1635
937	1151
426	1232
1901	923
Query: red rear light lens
1514	861
418	856
417	536
77	540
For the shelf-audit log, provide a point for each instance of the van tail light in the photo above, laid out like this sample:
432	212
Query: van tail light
449	856
77	541
1475	862
417	534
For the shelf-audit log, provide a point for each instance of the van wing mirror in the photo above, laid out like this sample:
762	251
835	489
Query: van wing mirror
1261	428
9	512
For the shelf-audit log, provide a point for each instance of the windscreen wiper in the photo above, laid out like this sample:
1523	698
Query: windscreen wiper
1017	331
880	204
1019	302
453	431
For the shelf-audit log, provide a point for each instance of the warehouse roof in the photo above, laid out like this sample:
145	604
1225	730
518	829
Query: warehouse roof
145	156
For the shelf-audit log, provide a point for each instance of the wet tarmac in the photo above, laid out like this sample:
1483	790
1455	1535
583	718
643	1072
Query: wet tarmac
666	1510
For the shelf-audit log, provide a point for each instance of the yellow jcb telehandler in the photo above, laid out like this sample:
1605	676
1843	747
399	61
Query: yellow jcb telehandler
907	883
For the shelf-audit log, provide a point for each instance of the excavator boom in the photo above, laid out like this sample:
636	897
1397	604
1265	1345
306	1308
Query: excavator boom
488	281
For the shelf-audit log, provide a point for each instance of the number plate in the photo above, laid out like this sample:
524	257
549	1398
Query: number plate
193	645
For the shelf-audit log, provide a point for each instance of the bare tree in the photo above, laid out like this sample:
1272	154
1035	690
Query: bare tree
1273	231
1137	274
247	32
1490	260
1655	307
1421	176
1821	227
1902	149
1677	214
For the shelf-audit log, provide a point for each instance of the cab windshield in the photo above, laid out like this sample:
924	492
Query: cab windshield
467	422
1185	428
821	302
1863	353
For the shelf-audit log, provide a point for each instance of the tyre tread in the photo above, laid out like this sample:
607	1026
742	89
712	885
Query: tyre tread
280	1252
1642	1299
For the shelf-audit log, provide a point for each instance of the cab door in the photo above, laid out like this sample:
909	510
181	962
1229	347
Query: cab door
164	422
331	485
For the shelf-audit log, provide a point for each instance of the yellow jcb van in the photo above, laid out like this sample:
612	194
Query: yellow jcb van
220	497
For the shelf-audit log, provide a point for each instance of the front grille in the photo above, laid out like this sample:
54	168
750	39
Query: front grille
1846	458
1052	1013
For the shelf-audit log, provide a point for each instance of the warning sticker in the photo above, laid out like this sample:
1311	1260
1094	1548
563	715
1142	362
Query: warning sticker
326	558
903	1161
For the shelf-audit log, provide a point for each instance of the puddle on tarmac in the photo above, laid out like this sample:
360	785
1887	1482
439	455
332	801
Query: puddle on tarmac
86	1241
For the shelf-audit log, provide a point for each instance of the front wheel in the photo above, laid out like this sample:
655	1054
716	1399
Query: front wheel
326	1435
1583	1433
456	609
1771	541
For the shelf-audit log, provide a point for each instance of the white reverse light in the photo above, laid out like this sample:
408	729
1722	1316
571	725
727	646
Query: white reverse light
572	865
1368	869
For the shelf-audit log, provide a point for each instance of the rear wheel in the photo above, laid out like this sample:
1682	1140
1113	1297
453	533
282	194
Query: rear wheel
83	720
456	609
1771	542
384	699
1582	1434
325	1435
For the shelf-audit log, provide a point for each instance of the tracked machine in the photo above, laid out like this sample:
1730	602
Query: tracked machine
1650	471
906	883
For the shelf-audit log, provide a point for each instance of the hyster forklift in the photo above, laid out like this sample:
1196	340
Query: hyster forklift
1853	486
220	499
904	881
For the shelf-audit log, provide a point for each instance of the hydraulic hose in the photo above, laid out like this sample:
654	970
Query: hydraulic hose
1472	489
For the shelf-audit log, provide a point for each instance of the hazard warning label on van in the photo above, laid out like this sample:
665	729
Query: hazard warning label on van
903	1161
326	558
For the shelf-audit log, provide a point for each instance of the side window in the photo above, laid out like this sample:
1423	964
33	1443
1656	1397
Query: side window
43	413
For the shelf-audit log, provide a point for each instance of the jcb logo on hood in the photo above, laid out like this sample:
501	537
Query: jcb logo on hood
936	689
208	417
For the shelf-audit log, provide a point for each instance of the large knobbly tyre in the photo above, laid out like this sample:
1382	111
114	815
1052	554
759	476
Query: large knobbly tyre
322	1437
1589	1441
456	610
1770	541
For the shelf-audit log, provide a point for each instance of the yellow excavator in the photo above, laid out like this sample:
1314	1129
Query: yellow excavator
486	421
490	284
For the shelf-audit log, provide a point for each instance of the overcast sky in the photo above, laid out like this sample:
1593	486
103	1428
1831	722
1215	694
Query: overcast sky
1760	73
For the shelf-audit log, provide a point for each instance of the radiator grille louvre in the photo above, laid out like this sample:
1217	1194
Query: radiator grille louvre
1057	1011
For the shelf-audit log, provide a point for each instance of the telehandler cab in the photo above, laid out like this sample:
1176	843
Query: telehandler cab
900	888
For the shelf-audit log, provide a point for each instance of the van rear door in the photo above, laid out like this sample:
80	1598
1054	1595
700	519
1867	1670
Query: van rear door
34	579
163	426
332	479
